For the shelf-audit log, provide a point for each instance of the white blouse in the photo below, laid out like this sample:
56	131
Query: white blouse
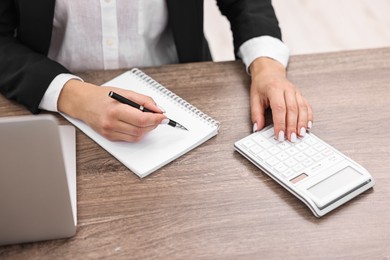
112	34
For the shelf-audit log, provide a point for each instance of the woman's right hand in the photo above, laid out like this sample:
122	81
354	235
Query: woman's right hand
110	118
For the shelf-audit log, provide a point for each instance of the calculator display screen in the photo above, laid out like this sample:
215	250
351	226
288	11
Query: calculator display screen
335	182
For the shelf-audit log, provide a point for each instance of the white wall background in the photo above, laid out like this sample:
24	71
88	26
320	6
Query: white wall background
311	26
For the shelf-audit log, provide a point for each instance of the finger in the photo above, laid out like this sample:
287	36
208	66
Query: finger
117	136
278	107
122	131
302	115
138	118
310	118
145	101
291	114
128	124
257	113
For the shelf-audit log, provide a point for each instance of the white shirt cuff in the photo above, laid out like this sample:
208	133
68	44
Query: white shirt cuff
263	46
50	99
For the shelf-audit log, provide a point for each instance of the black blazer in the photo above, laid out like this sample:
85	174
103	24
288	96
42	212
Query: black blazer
26	27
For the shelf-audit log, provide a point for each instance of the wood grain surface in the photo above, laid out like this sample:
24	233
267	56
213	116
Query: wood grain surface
211	203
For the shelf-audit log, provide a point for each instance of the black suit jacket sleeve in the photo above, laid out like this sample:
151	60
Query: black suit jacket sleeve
249	19
25	72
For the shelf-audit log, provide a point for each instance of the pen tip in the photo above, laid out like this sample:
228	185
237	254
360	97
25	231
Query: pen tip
181	127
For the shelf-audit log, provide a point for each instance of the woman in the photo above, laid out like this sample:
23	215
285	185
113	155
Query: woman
42	41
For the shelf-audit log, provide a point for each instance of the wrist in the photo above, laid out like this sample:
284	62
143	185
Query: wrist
265	66
72	96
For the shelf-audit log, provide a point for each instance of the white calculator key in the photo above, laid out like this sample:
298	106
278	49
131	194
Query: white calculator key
292	151
262	142
319	147
290	162
302	146
307	162
264	155
269	133
310	151
317	157
280	167
299	167
272	161
327	152
274	150
300	157
311	141
282	156
335	158
248	143
255	149
283	145
288	173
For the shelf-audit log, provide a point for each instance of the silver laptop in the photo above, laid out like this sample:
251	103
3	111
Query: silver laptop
37	179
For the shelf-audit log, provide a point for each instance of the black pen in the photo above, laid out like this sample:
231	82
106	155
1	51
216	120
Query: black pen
126	101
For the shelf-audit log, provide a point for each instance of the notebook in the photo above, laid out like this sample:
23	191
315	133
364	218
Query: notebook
165	143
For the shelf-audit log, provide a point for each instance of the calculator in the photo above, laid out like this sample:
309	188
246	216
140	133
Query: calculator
312	170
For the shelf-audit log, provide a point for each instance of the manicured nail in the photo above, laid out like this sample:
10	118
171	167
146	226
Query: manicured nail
162	109
254	127
165	121
281	136
293	137
309	124
302	132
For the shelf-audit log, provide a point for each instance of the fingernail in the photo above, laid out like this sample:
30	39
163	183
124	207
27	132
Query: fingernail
302	132
254	127
165	121
281	136
162	109
293	137
309	124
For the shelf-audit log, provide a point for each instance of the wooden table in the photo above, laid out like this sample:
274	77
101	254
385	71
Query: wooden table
212	203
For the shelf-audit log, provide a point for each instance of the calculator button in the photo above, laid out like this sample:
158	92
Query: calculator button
311	141
290	162
272	161
288	173
292	151
269	133
317	157
317	167
283	145
302	146
327	152
298	167
310	152
282	156
274	150
307	162
255	149
262	142
264	155
280	167
335	158
300	157
319	147
248	143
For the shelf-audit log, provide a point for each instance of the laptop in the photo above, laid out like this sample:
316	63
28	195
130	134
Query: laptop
37	179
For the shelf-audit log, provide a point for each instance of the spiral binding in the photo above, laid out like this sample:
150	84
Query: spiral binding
172	96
